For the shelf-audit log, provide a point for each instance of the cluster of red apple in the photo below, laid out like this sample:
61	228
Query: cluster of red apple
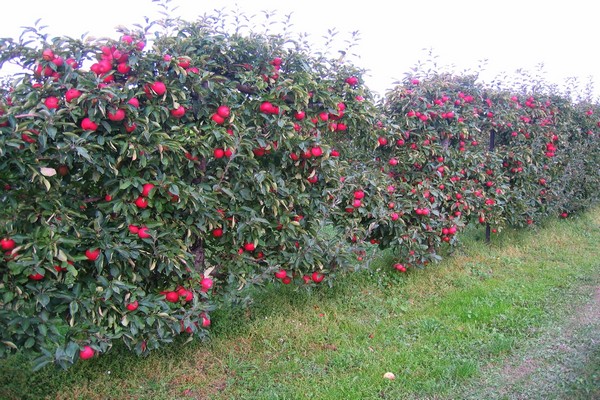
357	200
315	277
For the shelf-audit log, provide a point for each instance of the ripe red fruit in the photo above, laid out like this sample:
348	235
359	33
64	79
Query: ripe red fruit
178	112
48	54
316	151
335	153
205	321
51	102
249	247
287	280
282	273
224	111
130	128
184	62
117	115
36	277
146	189
217	232
317	277
7	244
134	102
123	68
72	94
352	80
300	115
143	232
86	353
172	297
218	119
359	194
92	254
108	197
185	294
400	267
219	153
393	161
267	108
206	284
141	202
356	203
159	88
88	125
132	306
134	229
382	141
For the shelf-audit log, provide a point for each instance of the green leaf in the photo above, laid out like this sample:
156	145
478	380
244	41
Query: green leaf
83	153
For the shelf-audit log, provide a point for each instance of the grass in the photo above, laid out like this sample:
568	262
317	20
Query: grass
438	330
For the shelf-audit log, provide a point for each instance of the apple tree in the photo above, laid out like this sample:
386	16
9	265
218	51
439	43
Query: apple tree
147	178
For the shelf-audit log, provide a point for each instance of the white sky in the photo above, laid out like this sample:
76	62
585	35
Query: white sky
510	34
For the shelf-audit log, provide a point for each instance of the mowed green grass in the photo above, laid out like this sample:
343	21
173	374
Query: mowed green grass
435	329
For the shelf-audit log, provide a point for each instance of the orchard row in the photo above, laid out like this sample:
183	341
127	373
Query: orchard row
143	186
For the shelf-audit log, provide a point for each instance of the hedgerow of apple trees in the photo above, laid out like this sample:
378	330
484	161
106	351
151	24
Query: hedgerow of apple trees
140	181
437	171
149	178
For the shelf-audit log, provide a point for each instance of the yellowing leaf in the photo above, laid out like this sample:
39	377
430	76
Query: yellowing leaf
47	171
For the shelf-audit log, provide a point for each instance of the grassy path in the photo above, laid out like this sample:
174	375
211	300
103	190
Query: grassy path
507	320
563	362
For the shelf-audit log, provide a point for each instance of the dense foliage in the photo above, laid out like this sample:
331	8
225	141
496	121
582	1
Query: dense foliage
149	178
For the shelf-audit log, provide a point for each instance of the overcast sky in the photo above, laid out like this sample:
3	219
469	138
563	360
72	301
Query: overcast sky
510	34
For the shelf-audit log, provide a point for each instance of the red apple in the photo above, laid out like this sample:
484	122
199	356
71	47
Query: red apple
36	277
249	247
159	88
206	284
217	232
317	277
352	80
86	353
219	153
143	232
123	68
141	202
88	125
7	244
224	111
117	115
134	102
72	94
132	306
282	273
92	254
218	119
178	112
48	54
172	297
51	102
146	189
